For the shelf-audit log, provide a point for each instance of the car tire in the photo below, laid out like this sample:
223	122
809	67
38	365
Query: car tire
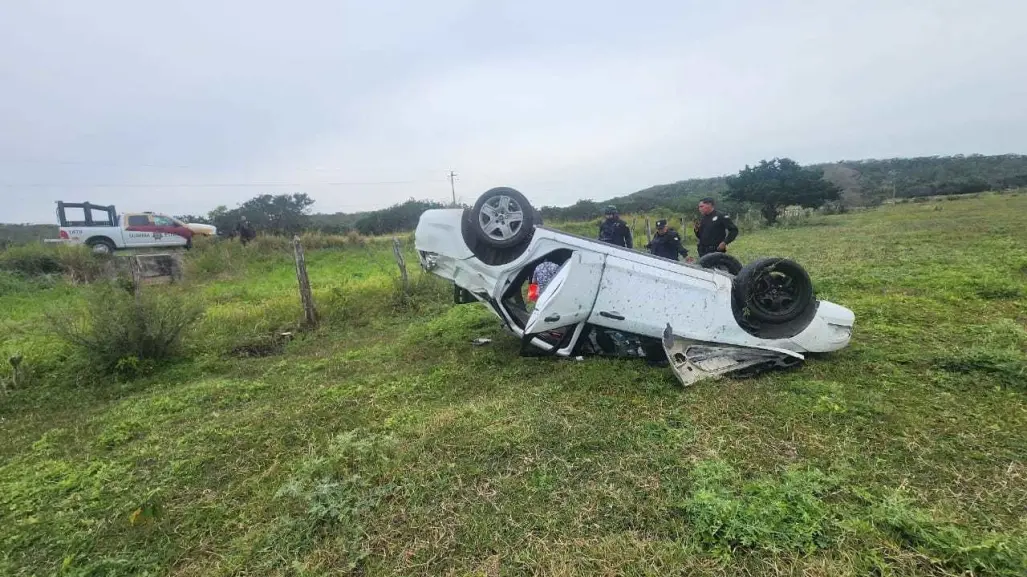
102	246
503	218
773	291
721	261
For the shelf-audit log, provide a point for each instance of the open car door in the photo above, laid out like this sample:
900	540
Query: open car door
568	299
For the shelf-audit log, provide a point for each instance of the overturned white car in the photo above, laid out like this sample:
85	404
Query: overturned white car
707	319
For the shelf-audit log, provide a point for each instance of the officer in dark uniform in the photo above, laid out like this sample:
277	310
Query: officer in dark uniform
714	231
614	230
245	230
666	242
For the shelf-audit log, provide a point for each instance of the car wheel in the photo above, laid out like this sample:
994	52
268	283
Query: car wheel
773	290
721	261
101	246
503	218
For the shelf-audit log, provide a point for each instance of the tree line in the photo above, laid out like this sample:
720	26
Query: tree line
767	187
861	183
288	214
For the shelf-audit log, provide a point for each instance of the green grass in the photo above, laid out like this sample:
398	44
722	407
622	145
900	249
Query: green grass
384	443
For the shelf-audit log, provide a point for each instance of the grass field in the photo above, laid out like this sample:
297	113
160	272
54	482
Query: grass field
384	444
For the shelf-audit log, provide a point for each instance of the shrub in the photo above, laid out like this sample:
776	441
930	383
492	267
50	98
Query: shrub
31	260
212	258
125	334
269	244
355	239
77	262
12	282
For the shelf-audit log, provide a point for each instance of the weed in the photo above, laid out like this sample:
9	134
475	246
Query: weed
786	514
125	334
336	492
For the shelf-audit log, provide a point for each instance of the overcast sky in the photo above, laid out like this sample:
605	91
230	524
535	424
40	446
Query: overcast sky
182	106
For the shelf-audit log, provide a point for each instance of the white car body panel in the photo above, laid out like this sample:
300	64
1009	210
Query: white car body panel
633	292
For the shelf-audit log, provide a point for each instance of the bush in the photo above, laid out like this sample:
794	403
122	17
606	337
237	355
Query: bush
124	334
77	262
355	239
30	260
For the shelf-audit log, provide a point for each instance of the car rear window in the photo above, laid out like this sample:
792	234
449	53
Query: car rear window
138	220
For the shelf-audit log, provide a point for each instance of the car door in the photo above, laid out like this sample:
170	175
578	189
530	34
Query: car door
168	232
139	230
567	300
641	295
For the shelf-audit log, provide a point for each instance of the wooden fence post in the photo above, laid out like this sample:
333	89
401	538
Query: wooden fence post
401	262
137	276
309	312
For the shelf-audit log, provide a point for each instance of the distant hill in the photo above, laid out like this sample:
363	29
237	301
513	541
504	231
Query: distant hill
863	182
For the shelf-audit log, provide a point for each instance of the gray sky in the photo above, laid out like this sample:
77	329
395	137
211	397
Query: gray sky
563	100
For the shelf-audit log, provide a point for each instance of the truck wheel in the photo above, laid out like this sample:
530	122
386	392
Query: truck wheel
721	261
503	218
100	245
773	290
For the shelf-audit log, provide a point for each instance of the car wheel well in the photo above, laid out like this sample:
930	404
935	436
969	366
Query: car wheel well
94	241
757	323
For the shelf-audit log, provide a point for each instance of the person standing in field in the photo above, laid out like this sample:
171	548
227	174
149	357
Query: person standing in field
245	231
615	231
666	242
714	231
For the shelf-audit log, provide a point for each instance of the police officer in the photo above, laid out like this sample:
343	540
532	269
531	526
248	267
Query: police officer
614	230
714	231
245	230
666	242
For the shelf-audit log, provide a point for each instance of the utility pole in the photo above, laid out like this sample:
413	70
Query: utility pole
452	184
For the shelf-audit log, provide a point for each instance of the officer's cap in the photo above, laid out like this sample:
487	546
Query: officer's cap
611	209
661	223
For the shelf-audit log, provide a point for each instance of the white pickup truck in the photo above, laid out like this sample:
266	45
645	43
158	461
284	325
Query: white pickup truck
103	230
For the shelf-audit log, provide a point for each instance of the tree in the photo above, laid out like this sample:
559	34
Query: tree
280	214
283	214
398	217
192	218
778	183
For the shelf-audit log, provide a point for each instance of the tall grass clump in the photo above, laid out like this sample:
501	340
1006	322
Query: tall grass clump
121	333
78	263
